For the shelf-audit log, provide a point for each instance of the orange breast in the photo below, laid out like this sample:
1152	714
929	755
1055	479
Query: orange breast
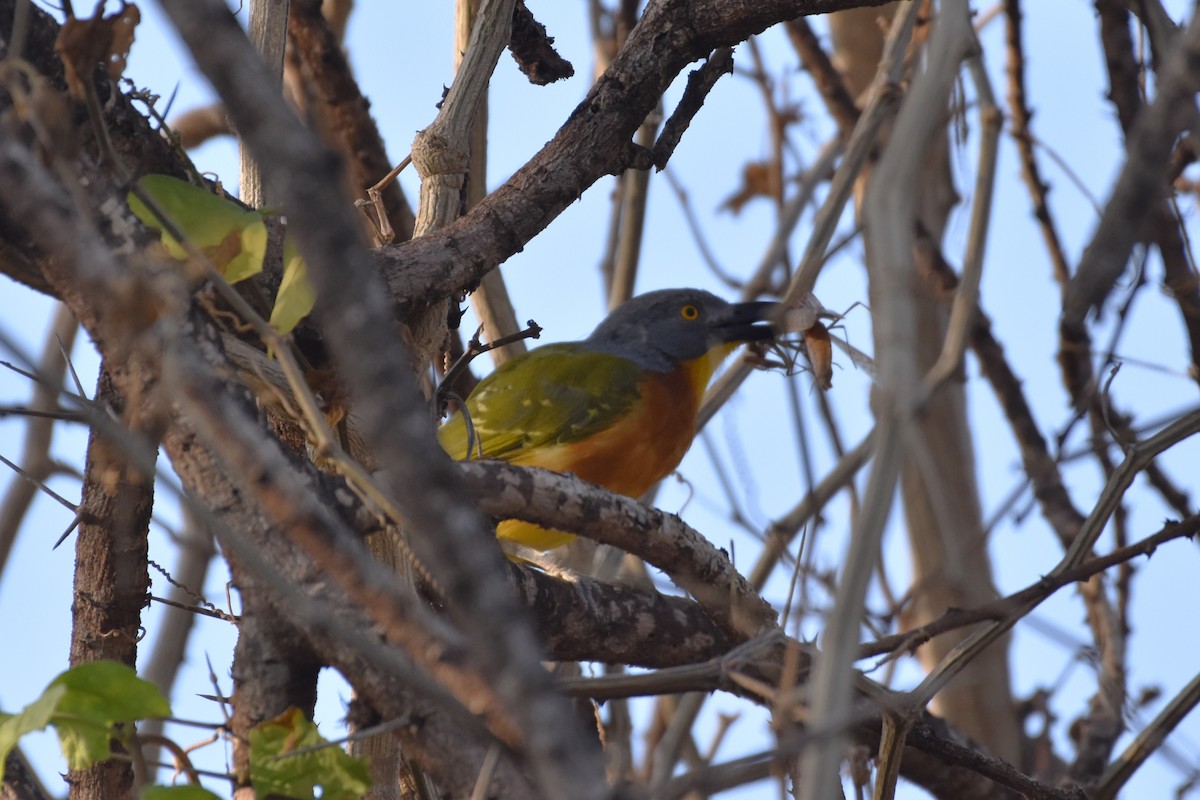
638	450
632	455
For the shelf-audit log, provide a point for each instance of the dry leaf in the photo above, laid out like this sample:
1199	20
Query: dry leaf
756	182
84	43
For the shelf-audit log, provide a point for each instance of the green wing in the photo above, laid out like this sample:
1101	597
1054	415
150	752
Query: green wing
556	394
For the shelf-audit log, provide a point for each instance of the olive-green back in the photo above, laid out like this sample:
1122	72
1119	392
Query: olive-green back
555	394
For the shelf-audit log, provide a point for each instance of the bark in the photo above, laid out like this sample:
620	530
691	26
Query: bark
341	112
20	781
111	579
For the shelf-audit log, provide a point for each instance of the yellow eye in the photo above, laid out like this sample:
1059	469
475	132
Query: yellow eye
689	312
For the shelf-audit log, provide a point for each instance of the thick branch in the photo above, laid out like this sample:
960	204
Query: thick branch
111	579
345	110
585	620
129	131
84	271
567	503
448	536
595	141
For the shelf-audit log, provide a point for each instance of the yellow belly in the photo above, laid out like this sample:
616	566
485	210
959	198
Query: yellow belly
627	457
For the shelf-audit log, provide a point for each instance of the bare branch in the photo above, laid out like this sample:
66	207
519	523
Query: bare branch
1143	176
345	110
595	141
35	451
700	83
889	247
1147	742
111	579
1022	117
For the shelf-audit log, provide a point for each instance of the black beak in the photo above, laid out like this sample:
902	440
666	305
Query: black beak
746	322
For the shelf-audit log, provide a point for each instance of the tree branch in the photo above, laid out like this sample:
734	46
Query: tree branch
111	579
594	142
345	110
447	535
534	51
565	502
1140	187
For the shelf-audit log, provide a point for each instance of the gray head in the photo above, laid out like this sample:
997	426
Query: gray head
662	329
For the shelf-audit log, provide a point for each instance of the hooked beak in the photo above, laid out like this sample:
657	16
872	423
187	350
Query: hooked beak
746	322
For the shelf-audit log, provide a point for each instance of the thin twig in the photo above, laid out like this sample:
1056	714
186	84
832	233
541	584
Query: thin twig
1147	742
906	642
1140	455
965	298
39	431
1018	109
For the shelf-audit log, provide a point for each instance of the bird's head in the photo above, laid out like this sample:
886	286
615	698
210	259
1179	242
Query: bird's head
666	328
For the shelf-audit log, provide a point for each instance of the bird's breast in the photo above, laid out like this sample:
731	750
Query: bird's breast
641	447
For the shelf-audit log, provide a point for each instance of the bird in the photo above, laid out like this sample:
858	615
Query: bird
618	409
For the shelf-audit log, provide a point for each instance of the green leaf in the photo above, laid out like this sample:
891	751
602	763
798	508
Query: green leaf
234	238
85	704
276	767
296	297
249	260
100	696
34	717
108	691
83	744
184	792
